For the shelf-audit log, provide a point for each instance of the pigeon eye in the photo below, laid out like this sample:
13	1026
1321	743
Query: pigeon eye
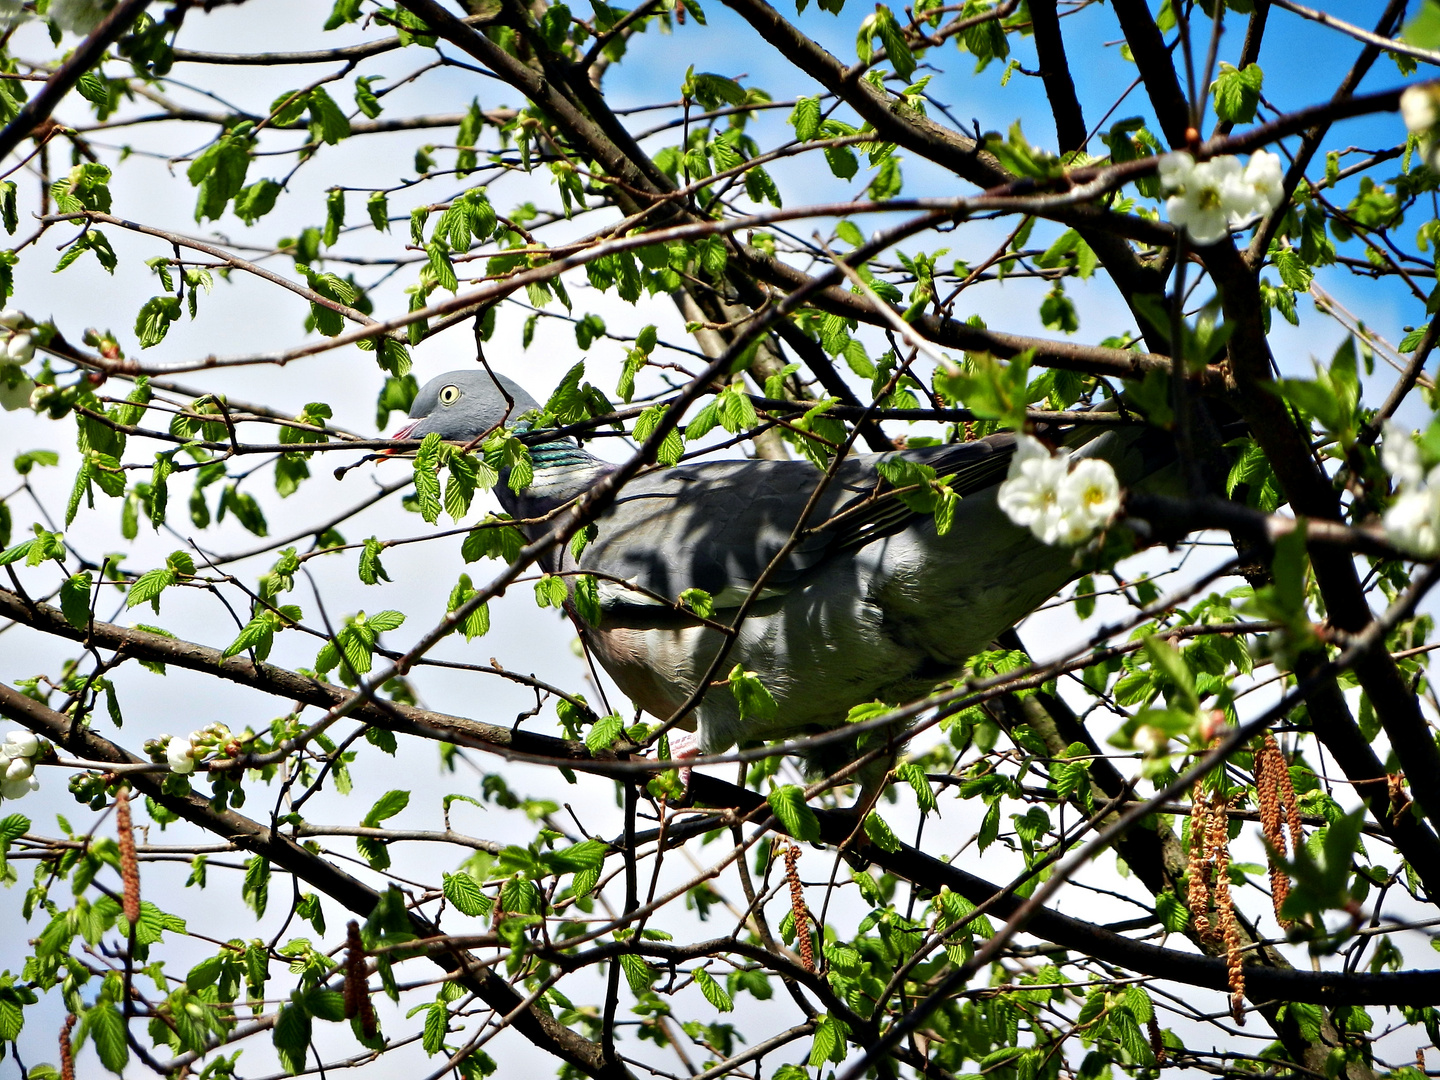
449	394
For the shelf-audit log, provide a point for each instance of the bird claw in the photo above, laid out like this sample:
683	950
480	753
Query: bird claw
684	746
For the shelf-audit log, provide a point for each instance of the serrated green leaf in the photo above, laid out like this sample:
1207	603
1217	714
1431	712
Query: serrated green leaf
788	804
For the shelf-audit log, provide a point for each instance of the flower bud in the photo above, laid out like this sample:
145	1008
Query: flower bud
19	768
1151	741
16	389
22	744
18	789
21	348
1419	108
180	755
13	318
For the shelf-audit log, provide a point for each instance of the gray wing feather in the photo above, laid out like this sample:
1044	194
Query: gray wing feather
716	526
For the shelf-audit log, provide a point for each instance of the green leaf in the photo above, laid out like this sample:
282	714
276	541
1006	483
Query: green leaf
75	599
205	973
1174	916
713	991
327	117
587	598
1424	28
882	24
638	974
603	733
107	1028
1293	271
365	99
914	775
880	833
751	695
699	601
441	266
386	807
427	482
12	827
371	570
1167	659
334	216
829	1044
788	804
378	207
292	1035
255	890
1237	92
805	118
153	321
148	587
462	891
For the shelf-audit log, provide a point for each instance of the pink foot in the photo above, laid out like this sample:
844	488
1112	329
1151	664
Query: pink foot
683	746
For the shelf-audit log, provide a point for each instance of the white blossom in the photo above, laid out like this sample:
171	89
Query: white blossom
20	348
1030	493
1209	198
180	755
16	388
1420	108
17	764
13	318
1088	499
18	789
80	17
1266	179
19	768
1401	457
1151	740
1175	170
1206	195
1060	505
21	744
1413	522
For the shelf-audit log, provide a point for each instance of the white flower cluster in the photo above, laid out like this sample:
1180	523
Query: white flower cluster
80	17
1420	107
17	764
184	754
1413	521
1059	500
1209	198
18	348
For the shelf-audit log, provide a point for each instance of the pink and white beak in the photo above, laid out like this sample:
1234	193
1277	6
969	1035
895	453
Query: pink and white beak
403	433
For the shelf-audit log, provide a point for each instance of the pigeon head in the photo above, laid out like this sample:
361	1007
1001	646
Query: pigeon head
460	405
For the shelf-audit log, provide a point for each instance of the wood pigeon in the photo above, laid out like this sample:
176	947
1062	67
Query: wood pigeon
872	605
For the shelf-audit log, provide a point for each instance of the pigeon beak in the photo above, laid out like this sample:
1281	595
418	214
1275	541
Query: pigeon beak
403	433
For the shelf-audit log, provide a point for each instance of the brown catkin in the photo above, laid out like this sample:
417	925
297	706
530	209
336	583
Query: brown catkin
67	1057
1228	927
357	987
1287	801
1198	897
129	865
1157	1043
1270	767
797	908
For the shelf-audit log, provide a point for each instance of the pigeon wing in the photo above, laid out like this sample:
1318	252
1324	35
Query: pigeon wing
716	526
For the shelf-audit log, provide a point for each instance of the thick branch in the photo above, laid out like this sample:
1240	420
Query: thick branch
1311	494
39	108
1070	129
535	1024
1328	987
911	864
1156	68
